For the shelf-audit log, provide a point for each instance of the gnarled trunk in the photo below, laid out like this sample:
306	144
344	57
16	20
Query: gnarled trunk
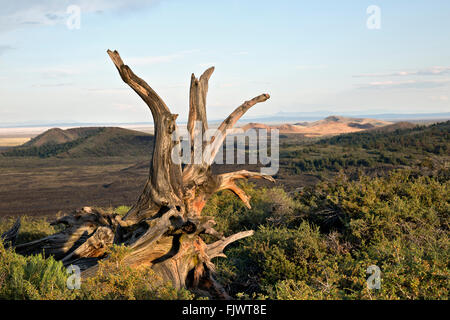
163	228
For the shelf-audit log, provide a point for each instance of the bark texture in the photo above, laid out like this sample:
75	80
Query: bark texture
164	227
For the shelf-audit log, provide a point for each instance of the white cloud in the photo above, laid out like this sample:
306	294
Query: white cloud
4	48
433	71
52	85
408	84
51	12
57	72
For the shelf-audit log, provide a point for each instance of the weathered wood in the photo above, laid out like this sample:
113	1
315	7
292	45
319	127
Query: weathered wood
216	249
95	246
80	226
227	181
164	228
197	102
230	121
9	237
163	187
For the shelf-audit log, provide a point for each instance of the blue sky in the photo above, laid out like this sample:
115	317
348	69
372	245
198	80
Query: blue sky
308	55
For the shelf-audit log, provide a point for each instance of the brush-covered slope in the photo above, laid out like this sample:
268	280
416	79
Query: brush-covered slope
86	142
433	138
395	126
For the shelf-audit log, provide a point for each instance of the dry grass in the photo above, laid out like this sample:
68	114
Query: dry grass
12	142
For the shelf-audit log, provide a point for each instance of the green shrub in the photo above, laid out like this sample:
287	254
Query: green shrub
31	228
32	277
122	210
398	223
272	206
315	244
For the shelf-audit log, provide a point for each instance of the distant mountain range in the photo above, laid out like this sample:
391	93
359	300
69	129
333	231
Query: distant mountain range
314	116
331	125
278	117
120	142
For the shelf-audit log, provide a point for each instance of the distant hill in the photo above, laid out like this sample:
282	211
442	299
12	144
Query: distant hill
331	125
254	125
59	136
373	152
85	142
